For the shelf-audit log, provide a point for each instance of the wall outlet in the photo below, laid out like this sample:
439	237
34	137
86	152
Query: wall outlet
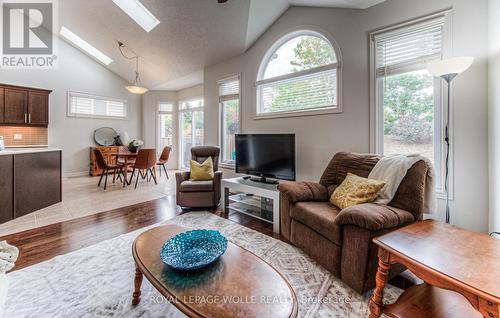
18	137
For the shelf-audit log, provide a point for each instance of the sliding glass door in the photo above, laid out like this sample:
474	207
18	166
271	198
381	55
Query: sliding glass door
191	130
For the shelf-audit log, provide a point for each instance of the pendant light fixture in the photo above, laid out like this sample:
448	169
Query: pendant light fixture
135	87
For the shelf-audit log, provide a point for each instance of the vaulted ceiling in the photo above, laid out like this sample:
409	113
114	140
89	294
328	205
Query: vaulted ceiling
191	35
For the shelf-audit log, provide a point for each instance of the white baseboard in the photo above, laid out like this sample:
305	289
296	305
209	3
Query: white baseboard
75	174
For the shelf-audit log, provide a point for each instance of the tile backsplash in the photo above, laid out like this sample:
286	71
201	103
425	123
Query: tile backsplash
18	136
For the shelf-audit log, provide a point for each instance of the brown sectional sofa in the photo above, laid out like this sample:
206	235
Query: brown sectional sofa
341	240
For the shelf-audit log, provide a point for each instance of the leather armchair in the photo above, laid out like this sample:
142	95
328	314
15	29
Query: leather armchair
200	194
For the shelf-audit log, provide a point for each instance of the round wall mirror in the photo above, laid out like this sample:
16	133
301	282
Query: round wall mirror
105	136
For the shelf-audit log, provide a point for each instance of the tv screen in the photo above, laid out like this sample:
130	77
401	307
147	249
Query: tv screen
266	155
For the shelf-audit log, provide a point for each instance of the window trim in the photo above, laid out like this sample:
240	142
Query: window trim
69	113
157	123
376	113
228	164
265	58
179	125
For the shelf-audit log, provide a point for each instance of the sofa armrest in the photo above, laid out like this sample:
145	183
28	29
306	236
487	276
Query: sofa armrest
374	217
303	191
180	177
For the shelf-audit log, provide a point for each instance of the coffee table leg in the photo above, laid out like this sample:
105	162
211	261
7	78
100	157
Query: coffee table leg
376	302
136	296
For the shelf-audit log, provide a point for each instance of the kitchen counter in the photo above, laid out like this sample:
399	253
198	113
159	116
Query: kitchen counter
15	151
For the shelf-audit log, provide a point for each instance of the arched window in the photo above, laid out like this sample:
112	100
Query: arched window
300	74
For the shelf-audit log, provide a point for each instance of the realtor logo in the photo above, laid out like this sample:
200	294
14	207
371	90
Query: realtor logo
28	39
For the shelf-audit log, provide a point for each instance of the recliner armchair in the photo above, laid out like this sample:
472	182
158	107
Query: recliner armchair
200	194
341	240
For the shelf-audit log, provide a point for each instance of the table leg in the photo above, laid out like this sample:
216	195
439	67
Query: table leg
136	296
226	200
125	170
376	302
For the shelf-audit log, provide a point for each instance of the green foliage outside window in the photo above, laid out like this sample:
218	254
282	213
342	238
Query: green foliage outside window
409	107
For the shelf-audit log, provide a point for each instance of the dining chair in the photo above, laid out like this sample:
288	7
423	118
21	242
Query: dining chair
106	167
145	164
165	154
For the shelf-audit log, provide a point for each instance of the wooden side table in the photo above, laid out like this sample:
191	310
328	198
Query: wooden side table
460	268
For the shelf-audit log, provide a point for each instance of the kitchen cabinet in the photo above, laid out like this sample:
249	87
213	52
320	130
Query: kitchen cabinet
31	180
24	106
6	188
1	104
15	106
38	108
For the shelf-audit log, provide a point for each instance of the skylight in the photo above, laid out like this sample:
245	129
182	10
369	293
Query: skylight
85	46
139	13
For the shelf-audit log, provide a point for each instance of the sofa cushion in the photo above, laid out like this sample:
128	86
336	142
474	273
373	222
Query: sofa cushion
319	216
196	186
344	162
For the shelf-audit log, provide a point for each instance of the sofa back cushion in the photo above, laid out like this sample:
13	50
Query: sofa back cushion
410	195
344	162
411	192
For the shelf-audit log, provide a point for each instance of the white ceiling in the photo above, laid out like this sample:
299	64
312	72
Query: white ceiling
352	4
192	33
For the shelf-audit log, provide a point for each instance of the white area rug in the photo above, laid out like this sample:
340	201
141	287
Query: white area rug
97	281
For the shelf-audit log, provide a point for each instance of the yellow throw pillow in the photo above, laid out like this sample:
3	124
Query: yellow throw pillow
202	171
355	190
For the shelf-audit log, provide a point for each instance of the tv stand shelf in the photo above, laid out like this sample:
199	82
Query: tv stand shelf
259	200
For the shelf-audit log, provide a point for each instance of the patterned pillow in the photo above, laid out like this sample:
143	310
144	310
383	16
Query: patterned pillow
355	190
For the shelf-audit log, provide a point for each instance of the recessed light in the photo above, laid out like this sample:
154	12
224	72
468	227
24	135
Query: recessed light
85	46
139	13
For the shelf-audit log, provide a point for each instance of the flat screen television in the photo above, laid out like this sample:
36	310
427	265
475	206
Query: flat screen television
266	156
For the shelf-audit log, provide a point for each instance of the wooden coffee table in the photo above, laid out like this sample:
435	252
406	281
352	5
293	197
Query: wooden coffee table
238	284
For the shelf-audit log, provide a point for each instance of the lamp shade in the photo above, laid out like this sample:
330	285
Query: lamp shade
454	65
136	89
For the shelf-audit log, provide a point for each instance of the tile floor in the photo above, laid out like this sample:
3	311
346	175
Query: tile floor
82	197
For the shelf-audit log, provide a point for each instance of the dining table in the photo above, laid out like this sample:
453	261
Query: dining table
127	160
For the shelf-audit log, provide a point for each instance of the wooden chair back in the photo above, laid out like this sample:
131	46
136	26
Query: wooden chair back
146	158
101	162
165	154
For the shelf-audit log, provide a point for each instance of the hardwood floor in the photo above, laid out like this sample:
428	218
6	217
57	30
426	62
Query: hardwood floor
43	243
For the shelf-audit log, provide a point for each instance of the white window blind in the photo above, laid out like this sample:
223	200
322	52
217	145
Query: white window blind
409	48
311	91
229	89
299	75
85	105
165	107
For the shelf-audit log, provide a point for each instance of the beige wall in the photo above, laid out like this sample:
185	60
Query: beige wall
318	137
190	93
494	113
78	72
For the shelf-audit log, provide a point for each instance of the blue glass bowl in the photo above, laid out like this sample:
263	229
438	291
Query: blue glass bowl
193	249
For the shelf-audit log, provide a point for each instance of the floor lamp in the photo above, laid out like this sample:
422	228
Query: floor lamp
447	70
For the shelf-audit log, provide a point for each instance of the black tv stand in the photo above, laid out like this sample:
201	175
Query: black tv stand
261	180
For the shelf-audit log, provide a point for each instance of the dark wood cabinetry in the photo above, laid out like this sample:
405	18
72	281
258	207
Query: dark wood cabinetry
37	181
1	104
6	188
29	182
15	106
24	106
